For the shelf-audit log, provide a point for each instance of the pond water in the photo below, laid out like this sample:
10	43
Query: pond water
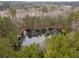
39	40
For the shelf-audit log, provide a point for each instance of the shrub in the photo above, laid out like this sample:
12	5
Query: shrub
63	46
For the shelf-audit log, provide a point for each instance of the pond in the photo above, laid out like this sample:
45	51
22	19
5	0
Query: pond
38	40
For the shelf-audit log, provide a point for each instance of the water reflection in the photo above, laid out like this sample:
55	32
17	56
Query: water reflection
39	40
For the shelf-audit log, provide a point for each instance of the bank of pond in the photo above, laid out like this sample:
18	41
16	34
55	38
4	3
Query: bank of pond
38	36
